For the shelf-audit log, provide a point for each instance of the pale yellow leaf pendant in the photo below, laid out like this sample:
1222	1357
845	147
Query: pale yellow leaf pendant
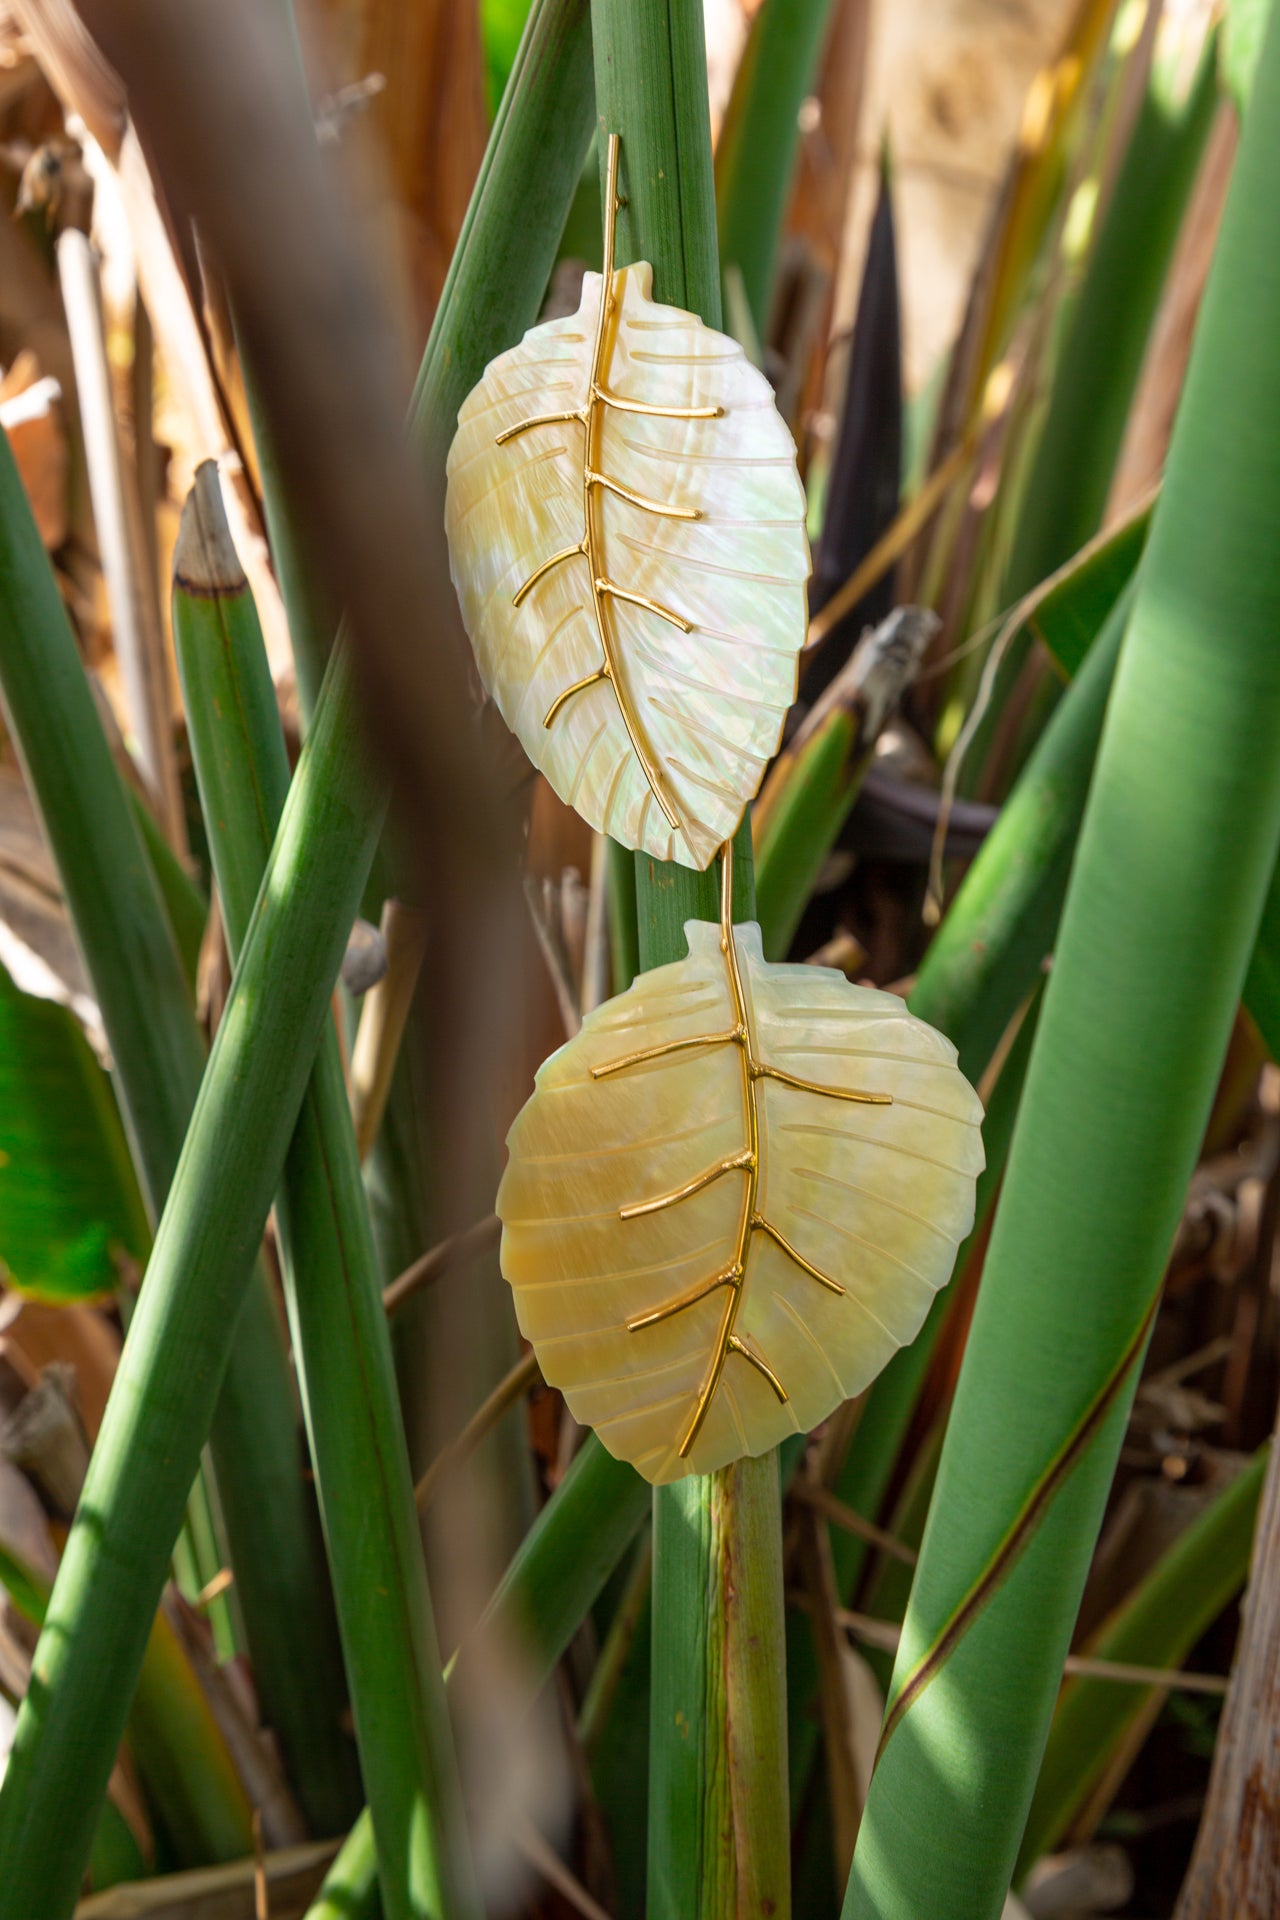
730	1199
627	539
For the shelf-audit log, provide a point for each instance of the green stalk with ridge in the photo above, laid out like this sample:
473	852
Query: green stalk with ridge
718	1838
332	1283
756	151
1170	876
174	1361
124	934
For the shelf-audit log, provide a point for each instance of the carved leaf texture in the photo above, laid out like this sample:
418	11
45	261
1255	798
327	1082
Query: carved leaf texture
730	1199
626	531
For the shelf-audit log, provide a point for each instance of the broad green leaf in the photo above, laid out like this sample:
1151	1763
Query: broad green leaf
626	533
731	1198
69	1203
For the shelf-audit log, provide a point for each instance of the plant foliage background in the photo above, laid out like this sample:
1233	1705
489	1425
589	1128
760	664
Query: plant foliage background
316	1598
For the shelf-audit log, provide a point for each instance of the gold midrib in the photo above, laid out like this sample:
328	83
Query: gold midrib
595	481
748	1159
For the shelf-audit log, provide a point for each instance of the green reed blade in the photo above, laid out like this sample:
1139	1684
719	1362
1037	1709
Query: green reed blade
124	934
1171	869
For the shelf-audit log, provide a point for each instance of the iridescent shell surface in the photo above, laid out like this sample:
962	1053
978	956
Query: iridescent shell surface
699	619
868	1148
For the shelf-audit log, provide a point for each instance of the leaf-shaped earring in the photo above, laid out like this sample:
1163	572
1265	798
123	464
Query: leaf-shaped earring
627	539
731	1197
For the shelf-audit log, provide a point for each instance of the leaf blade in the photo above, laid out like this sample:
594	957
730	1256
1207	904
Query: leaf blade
633	581
623	1209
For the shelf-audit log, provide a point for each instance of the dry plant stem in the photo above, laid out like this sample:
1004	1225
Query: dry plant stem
1235	1869
894	541
135	616
553	1870
810	1494
291	1875
437	1261
218	100
1146	440
383	1019
886	1635
718	1829
835	1704
482	1422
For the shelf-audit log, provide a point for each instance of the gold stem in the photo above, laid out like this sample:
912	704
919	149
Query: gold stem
729	1278
761	1072
761	1225
733	1163
593	542
616	592
595	481
727	1340
579	686
661	1052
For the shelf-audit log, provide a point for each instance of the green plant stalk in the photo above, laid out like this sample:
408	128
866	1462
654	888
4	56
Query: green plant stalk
624	932
864	1479
718	1792
822	784
70	1206
983	962
124	934
1171	871
523	192
756	152
1004	918
198	1558
1156	1625
187	908
117	1858
547	1592
175	1357
1097	372
332	1282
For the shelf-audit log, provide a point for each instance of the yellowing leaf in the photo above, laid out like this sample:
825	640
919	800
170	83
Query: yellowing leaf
730	1198
626	535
